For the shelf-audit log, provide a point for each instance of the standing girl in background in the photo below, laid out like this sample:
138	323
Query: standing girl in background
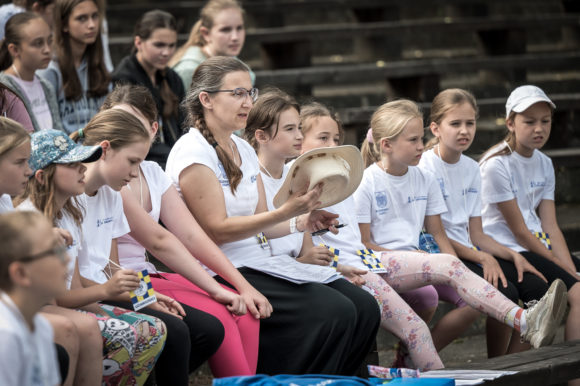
193	335
392	186
155	42
219	31
518	186
25	49
151	197
78	73
453	122
218	175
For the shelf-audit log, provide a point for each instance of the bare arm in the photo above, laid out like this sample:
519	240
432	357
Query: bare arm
547	214
365	233
179	220
434	226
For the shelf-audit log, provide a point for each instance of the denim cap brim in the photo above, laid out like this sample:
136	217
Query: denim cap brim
54	146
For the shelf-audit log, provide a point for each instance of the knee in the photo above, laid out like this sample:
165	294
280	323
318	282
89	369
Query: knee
89	331
574	296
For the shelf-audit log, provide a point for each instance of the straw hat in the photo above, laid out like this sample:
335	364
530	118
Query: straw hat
339	168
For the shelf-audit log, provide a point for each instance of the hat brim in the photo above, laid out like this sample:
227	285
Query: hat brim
85	154
523	106
330	195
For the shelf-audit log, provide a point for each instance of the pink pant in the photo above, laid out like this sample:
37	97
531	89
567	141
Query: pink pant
411	270
238	353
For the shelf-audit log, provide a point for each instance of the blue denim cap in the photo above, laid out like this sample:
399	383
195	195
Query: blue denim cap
54	146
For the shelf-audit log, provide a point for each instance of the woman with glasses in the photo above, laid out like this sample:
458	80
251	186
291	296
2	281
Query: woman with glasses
155	43
315	322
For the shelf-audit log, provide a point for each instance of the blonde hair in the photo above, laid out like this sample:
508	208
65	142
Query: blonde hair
388	122
12	135
15	232
117	126
42	196
313	110
206	19
444	102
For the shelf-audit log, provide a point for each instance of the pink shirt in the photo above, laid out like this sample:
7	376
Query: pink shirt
13	108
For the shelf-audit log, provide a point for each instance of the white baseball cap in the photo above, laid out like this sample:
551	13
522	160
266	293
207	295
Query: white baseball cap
525	96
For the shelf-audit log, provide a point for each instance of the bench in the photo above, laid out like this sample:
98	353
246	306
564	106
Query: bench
544	366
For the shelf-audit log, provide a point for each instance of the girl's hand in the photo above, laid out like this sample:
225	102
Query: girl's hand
522	265
491	270
168	305
64	236
303	201
353	274
256	303
317	220
124	280
233	302
317	255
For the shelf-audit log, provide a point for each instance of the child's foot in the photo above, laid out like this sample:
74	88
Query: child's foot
543	319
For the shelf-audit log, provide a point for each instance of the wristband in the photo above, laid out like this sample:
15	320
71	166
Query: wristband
293	227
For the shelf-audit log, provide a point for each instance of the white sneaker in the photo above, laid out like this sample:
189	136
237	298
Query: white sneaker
543	319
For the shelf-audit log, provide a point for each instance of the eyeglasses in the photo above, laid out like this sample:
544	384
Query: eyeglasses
59	252
240	93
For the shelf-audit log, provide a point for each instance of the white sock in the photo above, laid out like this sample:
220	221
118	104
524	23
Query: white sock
516	318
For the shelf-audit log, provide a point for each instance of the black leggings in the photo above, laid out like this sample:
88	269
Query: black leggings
63	362
315	328
551	270
531	287
189	343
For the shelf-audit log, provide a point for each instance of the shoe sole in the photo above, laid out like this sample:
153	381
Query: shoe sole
557	310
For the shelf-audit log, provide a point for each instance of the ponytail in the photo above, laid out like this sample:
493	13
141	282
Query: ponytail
368	150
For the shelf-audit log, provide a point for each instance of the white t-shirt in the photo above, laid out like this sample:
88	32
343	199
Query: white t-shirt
6	203
27	358
104	221
396	206
68	223
131	253
528	180
460	184
35	94
292	243
191	149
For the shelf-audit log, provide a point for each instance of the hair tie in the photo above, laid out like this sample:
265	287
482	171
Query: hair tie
370	135
215	144
81	133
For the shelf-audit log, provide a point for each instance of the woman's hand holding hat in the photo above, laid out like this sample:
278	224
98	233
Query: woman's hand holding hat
303	201
317	220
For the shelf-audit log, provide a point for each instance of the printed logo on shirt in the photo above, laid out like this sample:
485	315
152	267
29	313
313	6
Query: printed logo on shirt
104	221
382	202
253	178
442	187
513	183
536	184
223	177
472	190
416	198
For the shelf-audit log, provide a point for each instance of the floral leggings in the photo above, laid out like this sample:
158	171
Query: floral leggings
410	270
132	343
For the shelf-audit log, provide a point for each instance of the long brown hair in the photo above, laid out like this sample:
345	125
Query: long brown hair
313	110
209	76
206	19
137	96
266	113
388	122
98	76
444	102
146	25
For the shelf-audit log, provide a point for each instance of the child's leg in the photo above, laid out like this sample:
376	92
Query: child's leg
455	322
66	335
423	301
408	270
89	369
238	353
399	319
134	341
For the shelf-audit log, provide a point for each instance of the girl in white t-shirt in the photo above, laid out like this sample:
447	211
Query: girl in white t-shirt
57	190
218	176
27	48
394	201
453	118
518	186
152	197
